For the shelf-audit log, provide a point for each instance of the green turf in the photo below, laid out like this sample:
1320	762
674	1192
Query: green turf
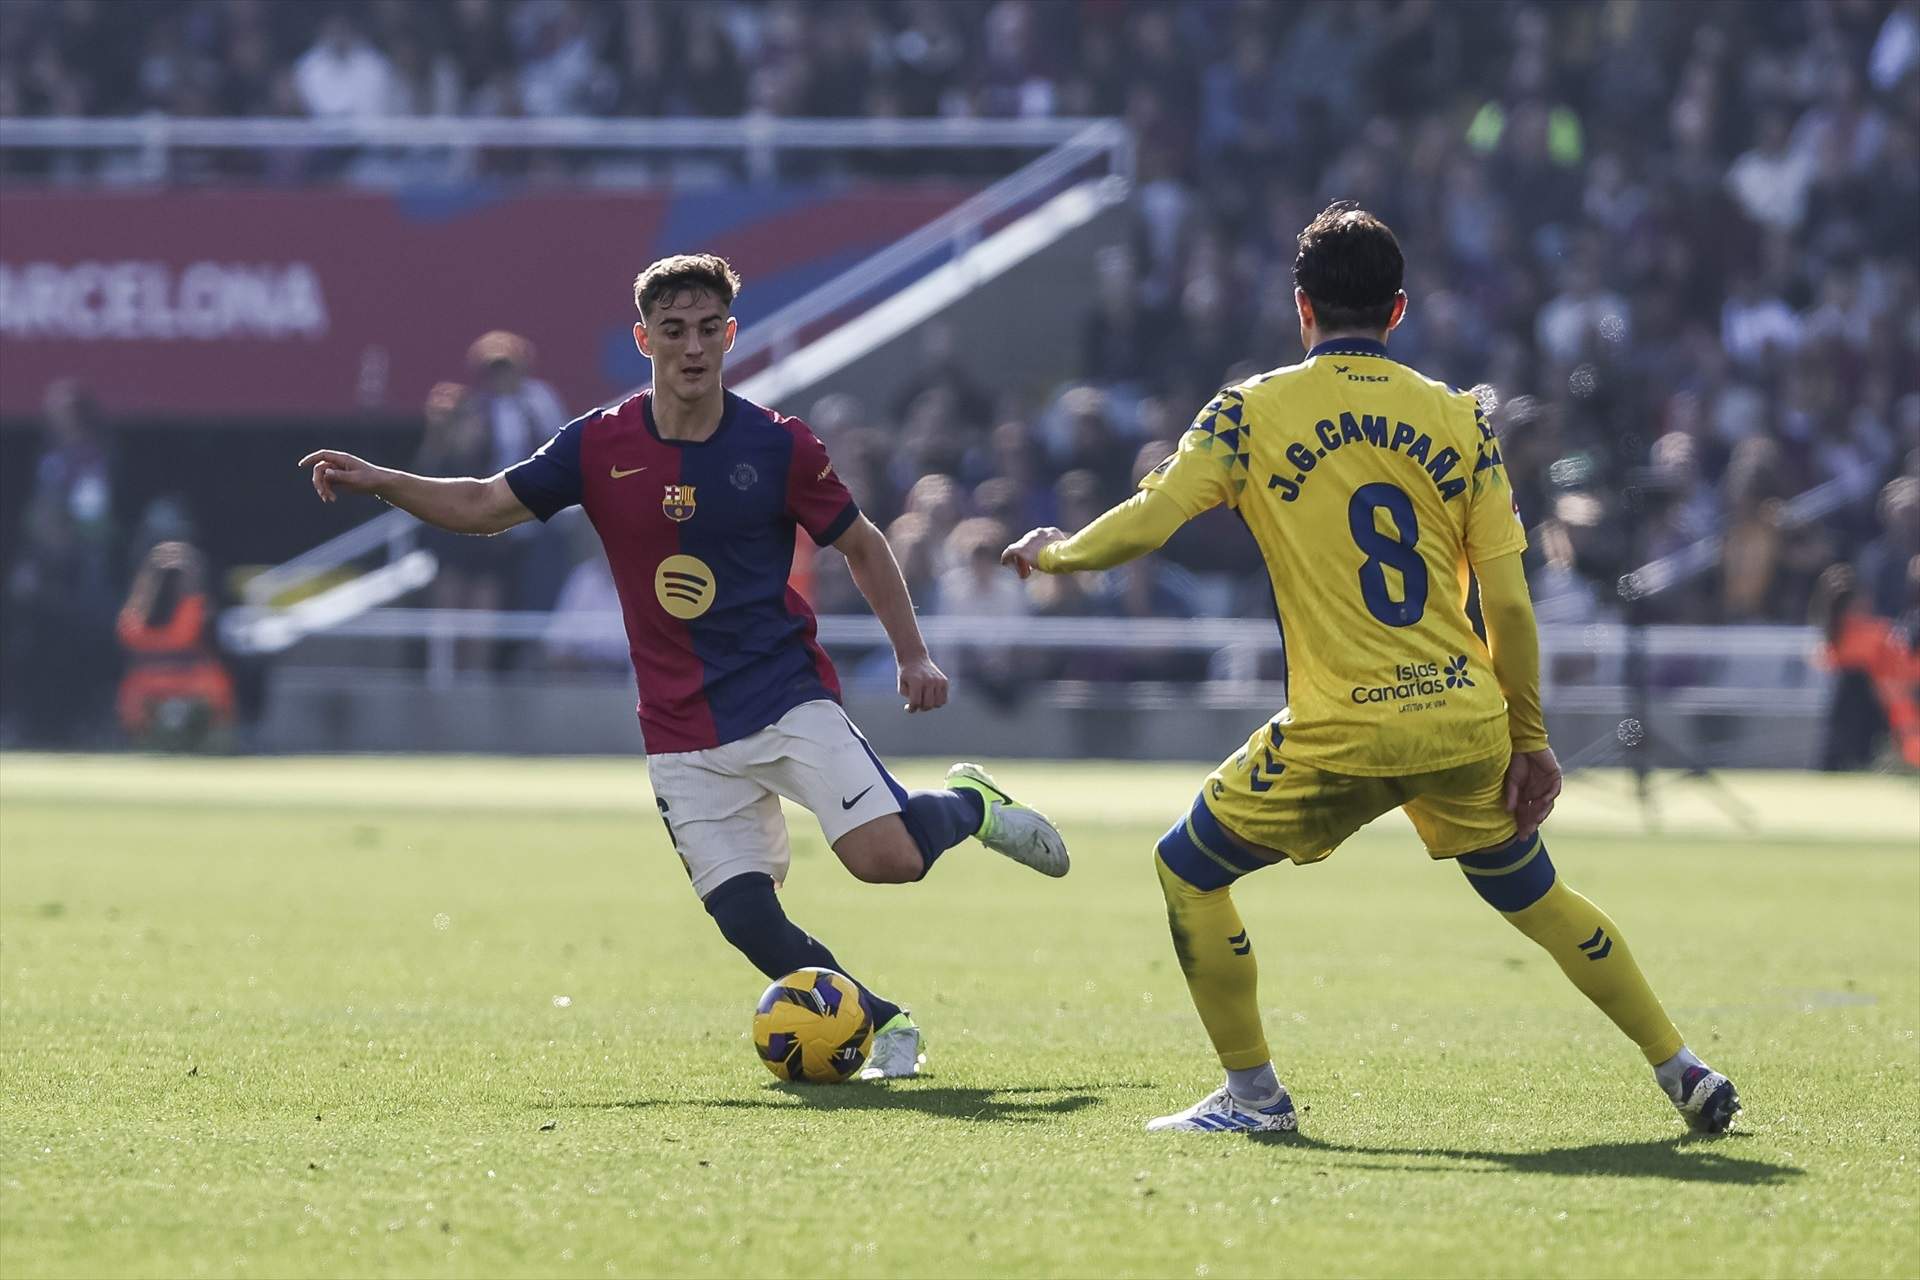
463	1018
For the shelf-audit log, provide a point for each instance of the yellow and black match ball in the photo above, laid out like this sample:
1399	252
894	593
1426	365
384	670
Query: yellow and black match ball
813	1026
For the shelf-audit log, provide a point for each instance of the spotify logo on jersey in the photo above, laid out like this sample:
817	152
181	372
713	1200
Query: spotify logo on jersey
684	585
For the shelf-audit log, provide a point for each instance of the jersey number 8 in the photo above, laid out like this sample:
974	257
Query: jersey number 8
1383	551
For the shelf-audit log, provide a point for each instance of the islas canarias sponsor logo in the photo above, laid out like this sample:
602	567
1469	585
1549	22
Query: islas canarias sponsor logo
1416	680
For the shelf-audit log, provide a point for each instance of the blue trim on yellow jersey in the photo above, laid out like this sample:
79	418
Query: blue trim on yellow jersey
1349	347
1215	841
1184	857
1511	879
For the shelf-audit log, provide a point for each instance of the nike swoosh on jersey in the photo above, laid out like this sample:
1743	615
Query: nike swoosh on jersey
618	474
848	804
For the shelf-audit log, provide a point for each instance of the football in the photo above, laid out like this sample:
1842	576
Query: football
812	1026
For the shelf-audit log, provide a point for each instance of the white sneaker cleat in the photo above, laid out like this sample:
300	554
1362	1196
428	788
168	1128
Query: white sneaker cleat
896	1051
1011	828
1219	1112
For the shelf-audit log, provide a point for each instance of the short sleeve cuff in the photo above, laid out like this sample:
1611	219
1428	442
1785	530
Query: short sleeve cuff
839	524
529	494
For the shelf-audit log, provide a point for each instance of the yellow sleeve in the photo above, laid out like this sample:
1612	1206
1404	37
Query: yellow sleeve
1515	642
1493	514
1141	524
1210	466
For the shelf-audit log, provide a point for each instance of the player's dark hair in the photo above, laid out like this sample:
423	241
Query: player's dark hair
1350	267
684	272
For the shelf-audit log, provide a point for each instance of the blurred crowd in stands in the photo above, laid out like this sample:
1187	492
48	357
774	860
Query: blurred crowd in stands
1677	239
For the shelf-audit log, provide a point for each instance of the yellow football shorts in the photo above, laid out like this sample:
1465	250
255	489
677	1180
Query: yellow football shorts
1278	804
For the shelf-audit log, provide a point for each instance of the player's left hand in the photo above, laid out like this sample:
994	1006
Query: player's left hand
1533	784
923	685
1021	556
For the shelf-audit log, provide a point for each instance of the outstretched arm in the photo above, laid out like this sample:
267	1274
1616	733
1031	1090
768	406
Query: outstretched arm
1141	524
1533	779
464	505
878	576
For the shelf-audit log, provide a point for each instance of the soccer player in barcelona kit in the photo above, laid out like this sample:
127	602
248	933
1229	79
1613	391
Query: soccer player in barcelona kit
1375	495
696	495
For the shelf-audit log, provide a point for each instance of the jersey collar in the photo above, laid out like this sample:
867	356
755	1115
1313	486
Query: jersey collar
728	410
1349	347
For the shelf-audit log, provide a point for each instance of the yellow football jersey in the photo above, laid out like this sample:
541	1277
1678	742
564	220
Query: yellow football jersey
1370	490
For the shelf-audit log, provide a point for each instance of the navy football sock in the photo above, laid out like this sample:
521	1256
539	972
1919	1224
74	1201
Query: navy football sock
939	820
750	917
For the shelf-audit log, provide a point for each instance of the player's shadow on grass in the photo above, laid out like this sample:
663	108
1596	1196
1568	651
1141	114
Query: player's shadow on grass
1680	1159
1013	1105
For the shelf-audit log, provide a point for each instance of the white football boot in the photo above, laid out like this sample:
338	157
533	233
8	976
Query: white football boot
1218	1112
896	1051
1011	828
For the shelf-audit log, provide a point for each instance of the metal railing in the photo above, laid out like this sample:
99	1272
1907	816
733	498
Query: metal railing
951	234
1229	648
759	139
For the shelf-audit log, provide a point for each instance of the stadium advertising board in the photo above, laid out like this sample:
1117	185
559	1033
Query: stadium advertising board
324	301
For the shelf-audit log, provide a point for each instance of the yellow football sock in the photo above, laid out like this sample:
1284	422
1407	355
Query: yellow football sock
1217	957
1590	951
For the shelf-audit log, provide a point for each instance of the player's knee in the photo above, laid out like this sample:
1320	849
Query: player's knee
1512	877
881	853
1185	868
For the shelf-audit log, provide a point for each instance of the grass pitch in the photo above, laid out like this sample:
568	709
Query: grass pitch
463	1018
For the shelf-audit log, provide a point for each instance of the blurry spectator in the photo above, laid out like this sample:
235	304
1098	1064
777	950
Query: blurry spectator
937	500
1877	676
521	412
1115	345
1584	319
1896	49
472	571
75	473
1754	536
1771	180
1756	325
974	583
57	653
1015	456
940	369
342	75
917	550
1077	495
176	695
585	633
563	76
1884	566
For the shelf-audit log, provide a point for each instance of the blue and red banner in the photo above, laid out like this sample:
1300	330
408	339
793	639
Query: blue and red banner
214	303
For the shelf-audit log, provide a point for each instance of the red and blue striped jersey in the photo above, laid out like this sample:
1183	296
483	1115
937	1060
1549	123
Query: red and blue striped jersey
699	535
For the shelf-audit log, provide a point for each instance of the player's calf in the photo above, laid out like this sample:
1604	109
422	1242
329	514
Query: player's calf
1520	882
749	916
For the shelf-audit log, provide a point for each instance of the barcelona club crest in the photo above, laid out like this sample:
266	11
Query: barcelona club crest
678	502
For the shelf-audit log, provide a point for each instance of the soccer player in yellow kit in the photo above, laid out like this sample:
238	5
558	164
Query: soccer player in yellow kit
1376	495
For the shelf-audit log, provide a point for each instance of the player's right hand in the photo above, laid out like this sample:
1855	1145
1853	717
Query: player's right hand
1533	784
1021	556
335	472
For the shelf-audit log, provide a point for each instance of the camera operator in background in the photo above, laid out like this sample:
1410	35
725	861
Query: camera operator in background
175	695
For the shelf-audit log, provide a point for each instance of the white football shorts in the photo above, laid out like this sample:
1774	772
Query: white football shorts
722	805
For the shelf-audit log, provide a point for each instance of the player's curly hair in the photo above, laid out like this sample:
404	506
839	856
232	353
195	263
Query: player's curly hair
1350	267
699	272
